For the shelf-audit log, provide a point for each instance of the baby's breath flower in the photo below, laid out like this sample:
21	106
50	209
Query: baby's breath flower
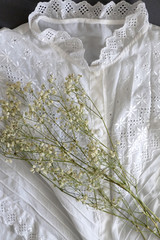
51	79
27	87
8	160
113	154
50	128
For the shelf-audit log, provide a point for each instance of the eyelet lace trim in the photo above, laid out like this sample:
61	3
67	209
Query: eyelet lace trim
135	16
69	9
24	225
62	10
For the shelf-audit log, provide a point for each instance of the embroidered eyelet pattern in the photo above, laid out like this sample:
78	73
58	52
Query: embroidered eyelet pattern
135	15
23	224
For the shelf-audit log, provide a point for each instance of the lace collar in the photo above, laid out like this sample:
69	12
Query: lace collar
134	16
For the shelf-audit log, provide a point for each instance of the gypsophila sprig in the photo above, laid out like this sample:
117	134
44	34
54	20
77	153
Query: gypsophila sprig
51	128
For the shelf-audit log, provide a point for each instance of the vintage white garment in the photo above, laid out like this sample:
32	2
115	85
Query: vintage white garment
117	52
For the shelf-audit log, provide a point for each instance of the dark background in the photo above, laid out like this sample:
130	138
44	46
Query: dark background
15	12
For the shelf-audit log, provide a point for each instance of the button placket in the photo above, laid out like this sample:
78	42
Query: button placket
96	83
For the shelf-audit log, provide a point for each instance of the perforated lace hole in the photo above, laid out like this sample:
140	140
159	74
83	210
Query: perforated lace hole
55	6
68	7
132	22
97	11
112	44
49	35
42	9
121	34
106	56
11	218
22	228
83	9
122	9
2	208
109	10
32	236
143	11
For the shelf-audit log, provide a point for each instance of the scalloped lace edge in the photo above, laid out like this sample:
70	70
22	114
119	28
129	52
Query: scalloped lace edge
23	224
135	15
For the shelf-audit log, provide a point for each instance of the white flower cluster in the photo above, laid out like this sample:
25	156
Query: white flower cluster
52	133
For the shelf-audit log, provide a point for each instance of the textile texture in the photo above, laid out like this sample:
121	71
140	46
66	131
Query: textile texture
15	13
117	51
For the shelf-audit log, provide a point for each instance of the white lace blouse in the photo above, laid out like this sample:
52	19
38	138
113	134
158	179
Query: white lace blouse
117	52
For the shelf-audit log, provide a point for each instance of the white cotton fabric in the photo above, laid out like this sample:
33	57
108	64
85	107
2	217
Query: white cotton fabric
117	52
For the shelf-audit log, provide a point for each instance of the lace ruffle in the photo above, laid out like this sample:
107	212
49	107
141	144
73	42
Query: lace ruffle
135	18
69	9
11	214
